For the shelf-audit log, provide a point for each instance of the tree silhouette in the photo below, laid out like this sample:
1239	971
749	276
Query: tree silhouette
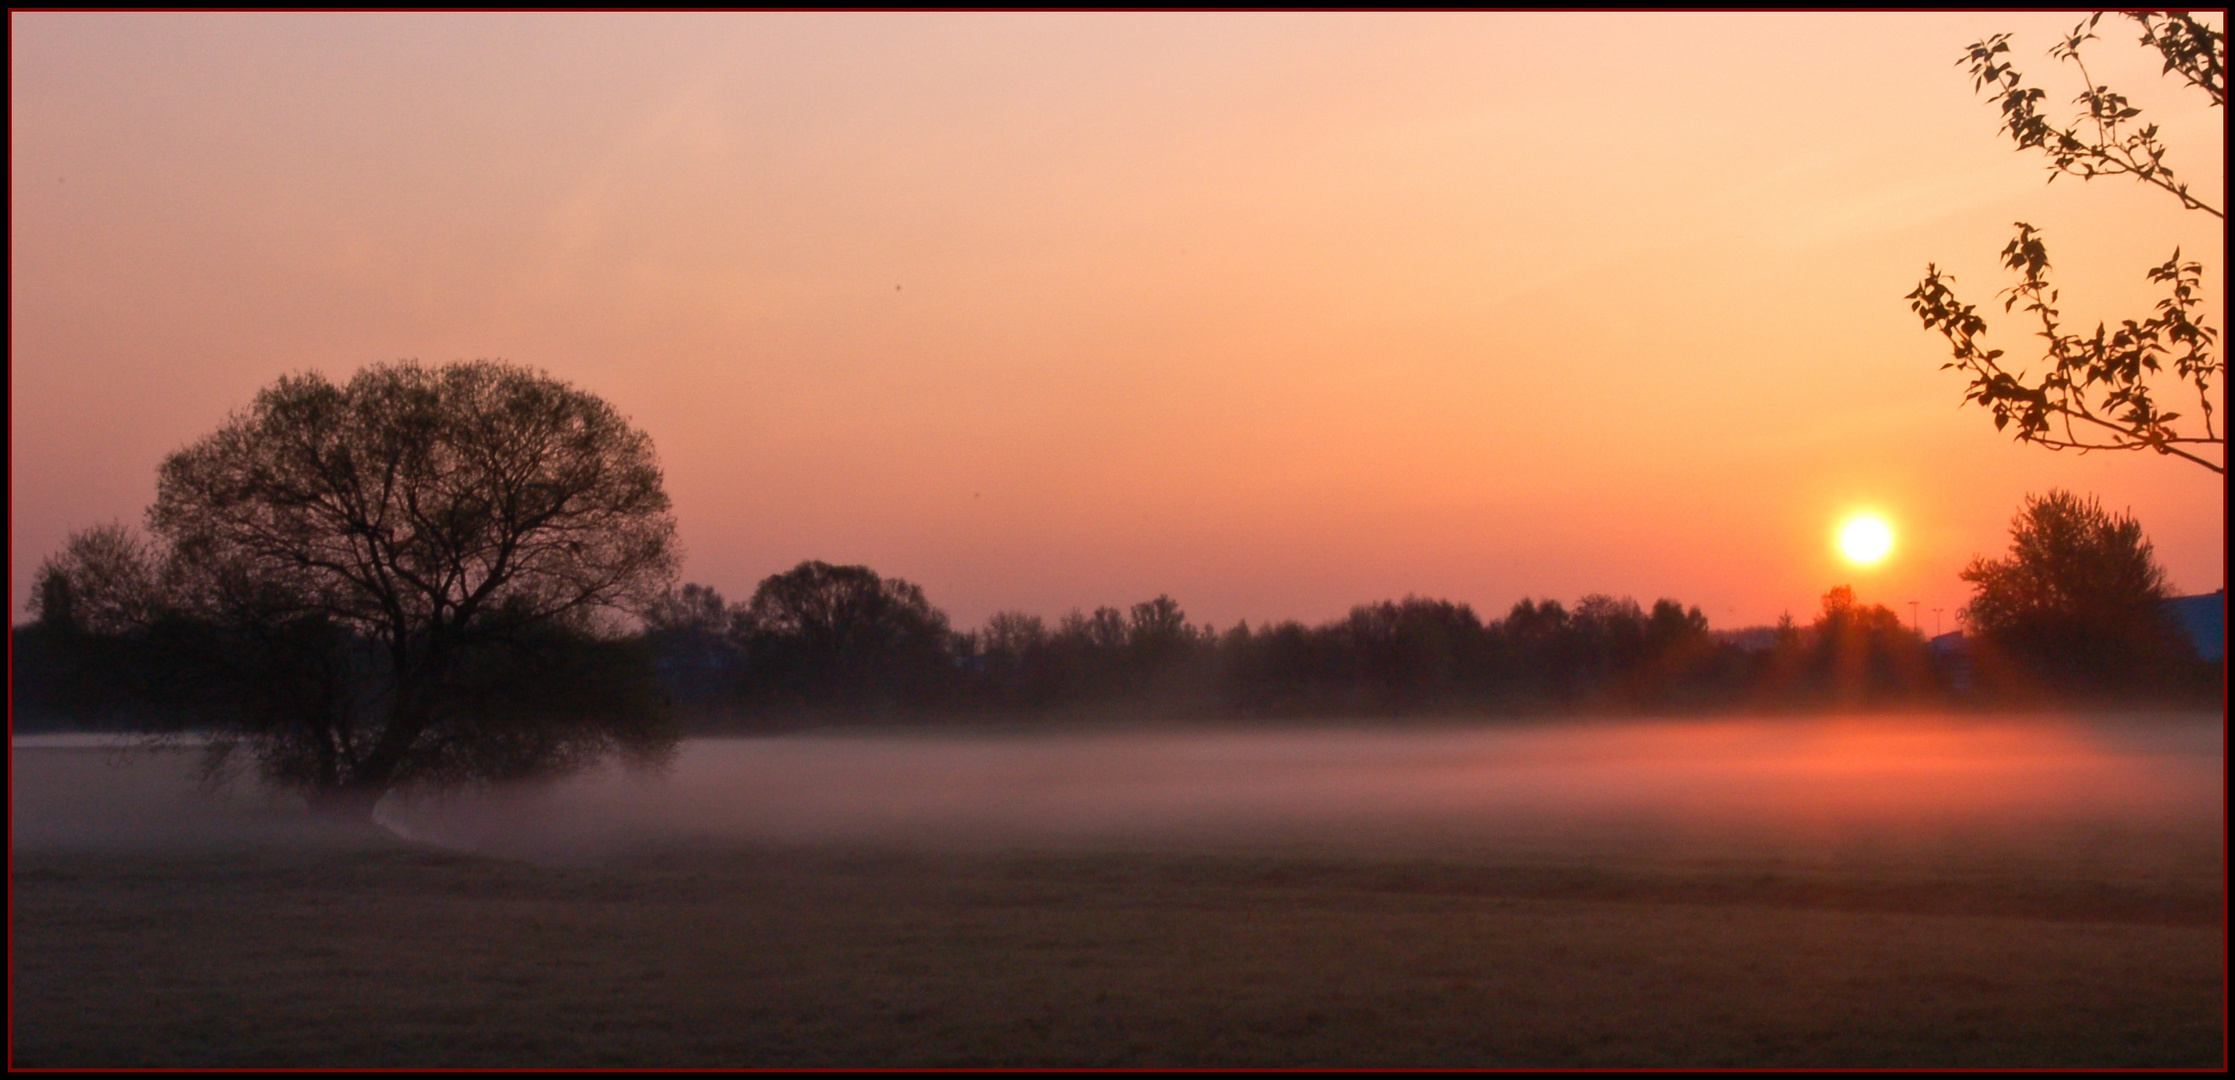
2099	390
2079	598
688	633
398	548
103	581
841	634
1861	651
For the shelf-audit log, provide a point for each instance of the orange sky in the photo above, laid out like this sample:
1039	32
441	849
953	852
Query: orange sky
1272	313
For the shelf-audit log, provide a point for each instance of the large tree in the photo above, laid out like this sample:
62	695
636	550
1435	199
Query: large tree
2106	389
2080	598
426	552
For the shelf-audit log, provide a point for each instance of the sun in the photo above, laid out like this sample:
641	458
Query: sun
1865	538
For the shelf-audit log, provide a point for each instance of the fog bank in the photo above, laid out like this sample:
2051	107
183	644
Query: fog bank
2099	796
2138	796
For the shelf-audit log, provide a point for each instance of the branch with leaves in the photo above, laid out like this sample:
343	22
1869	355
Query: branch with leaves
2117	148
2096	393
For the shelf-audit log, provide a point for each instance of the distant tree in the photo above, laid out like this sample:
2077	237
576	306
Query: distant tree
1841	615
1016	660
688	634
1091	656
1788	632
380	556
2100	390
1684	660
75	663
842	635
1537	649
1671	628
693	609
103	581
1286	668
1010	637
1531	621
1157	632
1105	632
1609	635
2080	598
1863	652
1412	654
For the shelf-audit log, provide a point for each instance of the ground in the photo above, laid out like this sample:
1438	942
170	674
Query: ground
301	946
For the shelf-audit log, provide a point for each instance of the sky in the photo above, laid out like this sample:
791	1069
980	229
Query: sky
1271	313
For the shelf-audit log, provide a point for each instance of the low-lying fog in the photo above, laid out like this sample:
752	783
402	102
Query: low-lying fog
2119	795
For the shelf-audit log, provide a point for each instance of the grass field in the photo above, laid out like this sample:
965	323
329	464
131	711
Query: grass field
192	932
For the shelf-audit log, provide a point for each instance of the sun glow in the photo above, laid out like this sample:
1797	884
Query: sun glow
1865	539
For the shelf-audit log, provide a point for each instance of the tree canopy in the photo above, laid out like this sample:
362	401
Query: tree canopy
402	577
842	634
103	581
2079	599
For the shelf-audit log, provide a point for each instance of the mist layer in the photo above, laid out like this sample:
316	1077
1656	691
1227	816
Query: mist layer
1936	793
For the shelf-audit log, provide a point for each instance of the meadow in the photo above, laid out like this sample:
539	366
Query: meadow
1861	891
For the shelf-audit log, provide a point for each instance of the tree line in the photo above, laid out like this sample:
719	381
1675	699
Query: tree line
823	644
844	640
827	643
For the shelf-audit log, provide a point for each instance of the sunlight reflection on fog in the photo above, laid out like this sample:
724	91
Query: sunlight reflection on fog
2141	796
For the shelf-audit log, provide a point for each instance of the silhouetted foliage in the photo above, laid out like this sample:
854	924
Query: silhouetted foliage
548	699
823	634
689	632
1014	662
1539	651
103	581
397	579
1863	653
2096	392
1413	653
1157	634
1685	664
841	642
2079	601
